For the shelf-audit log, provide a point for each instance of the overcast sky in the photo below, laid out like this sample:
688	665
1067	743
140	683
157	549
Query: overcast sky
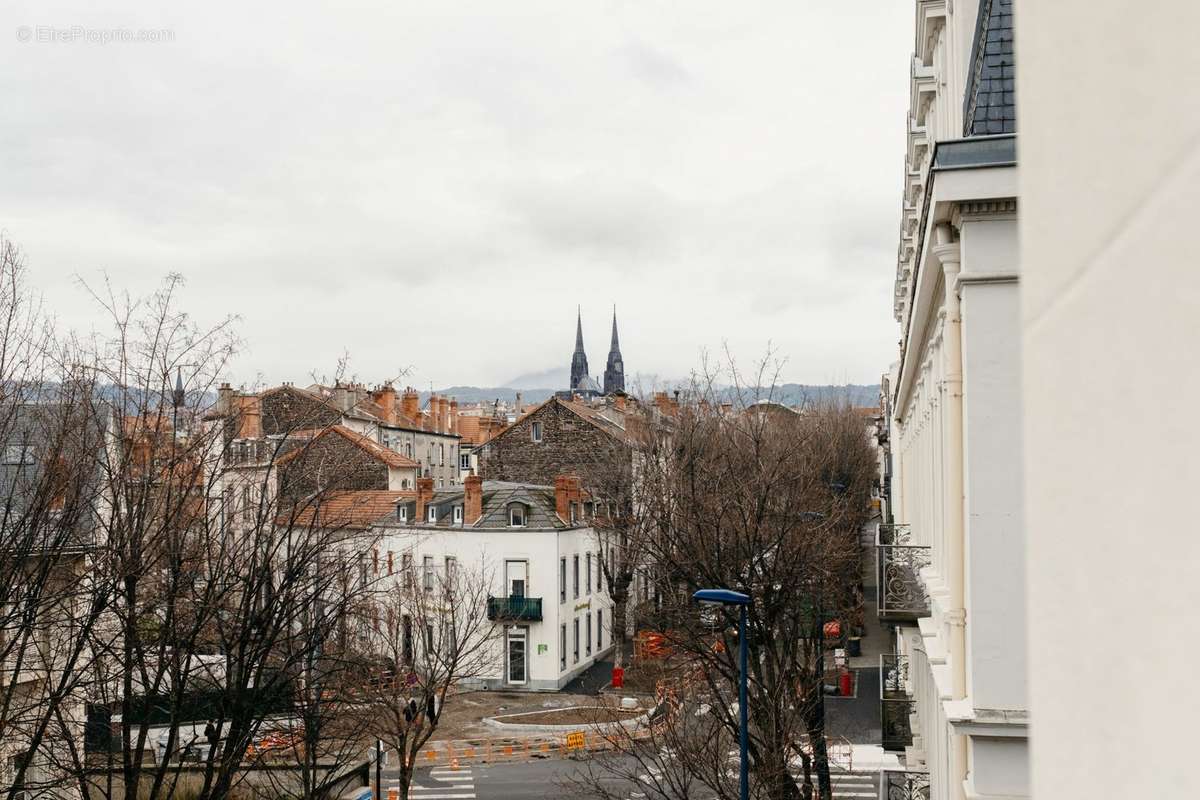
438	185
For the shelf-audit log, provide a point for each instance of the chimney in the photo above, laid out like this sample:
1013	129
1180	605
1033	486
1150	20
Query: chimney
453	421
472	499
424	496
341	396
518	407
410	404
385	397
567	491
435	413
250	417
443	413
224	399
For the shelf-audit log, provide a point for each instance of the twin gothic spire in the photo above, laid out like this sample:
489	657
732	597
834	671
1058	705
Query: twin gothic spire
614	371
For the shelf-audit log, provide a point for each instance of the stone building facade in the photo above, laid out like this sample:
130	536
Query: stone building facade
558	437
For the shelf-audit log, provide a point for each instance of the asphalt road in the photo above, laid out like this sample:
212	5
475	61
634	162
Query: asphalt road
533	780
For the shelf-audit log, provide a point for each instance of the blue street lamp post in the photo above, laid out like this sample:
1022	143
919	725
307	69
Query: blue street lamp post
728	597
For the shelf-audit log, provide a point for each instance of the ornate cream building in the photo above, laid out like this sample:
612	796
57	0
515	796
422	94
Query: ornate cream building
952	568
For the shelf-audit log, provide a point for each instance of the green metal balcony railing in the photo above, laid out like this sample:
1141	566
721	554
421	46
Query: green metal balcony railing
528	609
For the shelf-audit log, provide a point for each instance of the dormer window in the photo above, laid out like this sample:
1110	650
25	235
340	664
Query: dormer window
433	513
535	431
402	513
516	515
458	515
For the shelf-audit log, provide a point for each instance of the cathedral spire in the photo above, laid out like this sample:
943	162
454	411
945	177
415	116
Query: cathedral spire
614	372
579	364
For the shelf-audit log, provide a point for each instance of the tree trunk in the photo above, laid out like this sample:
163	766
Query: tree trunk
619	592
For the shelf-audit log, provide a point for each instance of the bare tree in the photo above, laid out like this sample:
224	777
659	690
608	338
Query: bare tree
766	500
430	632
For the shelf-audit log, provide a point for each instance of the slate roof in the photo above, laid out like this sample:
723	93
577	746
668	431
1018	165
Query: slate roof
990	102
540	513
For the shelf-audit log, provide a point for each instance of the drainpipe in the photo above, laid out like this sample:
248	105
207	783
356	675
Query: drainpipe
946	248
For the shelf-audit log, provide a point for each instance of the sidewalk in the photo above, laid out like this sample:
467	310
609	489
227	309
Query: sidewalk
857	718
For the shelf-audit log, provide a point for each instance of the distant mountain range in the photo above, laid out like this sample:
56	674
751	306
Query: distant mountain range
792	394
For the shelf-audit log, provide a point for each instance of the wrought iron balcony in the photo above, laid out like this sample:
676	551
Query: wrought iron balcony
903	785
527	609
900	593
895	703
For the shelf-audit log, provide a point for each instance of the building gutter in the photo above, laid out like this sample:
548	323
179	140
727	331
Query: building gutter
973	153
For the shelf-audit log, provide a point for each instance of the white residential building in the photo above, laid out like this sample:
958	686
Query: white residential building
536	546
952	569
1110	322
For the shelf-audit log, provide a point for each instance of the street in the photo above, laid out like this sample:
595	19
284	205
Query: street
550	779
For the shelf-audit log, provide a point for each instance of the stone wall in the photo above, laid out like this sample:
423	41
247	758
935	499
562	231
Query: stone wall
331	463
287	410
570	444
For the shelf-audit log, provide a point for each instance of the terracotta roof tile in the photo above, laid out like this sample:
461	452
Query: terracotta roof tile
351	509
369	446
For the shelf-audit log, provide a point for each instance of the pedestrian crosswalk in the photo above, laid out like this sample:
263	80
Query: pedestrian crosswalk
862	784
441	783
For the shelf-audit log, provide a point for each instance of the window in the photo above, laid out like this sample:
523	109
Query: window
391	563
374	562
516	515
407	639
535	431
402	512
573	514
588	639
458	515
429	640
408	449
427	563
562	587
575	581
442	450
562	646
406	568
464	461
18	454
577	640
588	558
247	505
448	578
432	516
599	629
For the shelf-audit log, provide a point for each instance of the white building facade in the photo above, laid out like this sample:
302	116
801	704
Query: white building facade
952	568
534	545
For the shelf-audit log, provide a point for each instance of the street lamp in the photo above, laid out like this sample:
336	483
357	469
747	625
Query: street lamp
728	597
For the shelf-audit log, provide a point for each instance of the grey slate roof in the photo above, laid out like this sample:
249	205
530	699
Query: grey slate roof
497	496
990	102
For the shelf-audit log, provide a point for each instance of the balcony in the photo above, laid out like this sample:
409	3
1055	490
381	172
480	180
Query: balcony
904	785
895	703
514	609
900	594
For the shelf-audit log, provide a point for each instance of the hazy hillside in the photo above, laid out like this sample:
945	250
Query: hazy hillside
789	394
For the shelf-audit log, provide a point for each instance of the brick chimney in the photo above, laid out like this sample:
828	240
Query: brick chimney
453	420
472	499
518	406
443	413
424	496
385	397
566	491
410	404
250	417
